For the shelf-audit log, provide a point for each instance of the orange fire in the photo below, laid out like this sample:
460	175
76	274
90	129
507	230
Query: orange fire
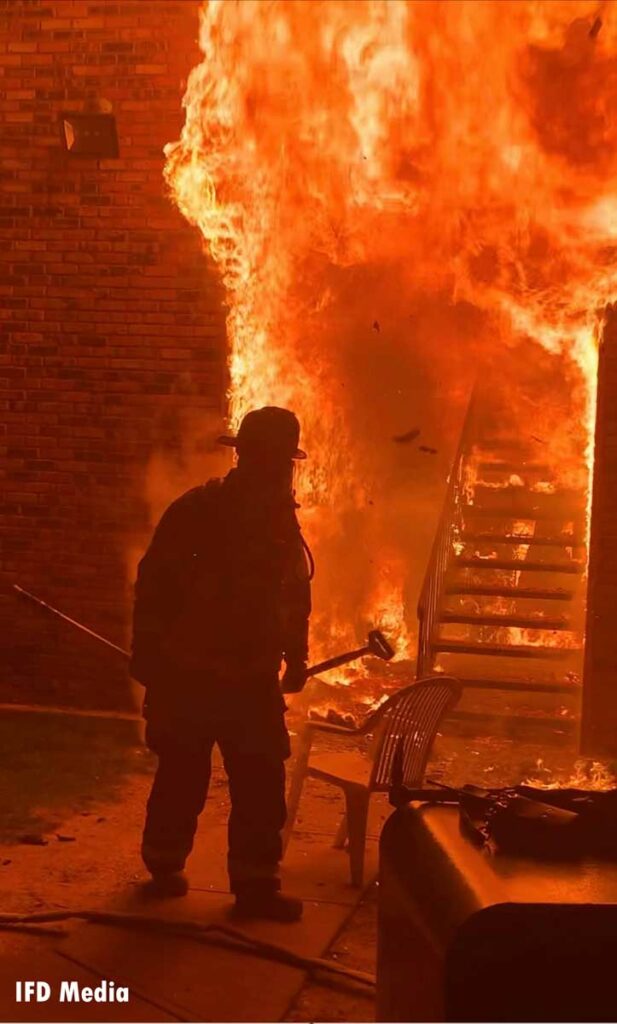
587	774
388	190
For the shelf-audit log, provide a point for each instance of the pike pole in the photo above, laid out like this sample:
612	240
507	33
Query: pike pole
377	644
66	618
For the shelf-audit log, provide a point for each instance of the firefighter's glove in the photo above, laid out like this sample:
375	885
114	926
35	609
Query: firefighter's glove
294	678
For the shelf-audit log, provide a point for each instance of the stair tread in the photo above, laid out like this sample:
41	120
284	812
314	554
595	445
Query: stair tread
515	565
532	513
564	502
520	621
520	721
518	467
521	685
512	444
575	541
502	650
539	593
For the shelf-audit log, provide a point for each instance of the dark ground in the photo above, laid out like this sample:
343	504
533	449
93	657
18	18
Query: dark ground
355	947
74	788
54	766
79	785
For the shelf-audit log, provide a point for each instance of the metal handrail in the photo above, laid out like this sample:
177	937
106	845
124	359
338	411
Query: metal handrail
447	531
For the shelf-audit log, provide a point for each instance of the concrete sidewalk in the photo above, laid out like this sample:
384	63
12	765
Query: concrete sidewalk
173	978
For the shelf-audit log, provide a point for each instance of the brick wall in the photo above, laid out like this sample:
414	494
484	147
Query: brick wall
112	330
599	709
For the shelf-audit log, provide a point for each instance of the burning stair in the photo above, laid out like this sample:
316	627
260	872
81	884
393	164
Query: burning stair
503	603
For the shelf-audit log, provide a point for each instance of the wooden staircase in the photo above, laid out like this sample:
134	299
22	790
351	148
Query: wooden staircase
502	606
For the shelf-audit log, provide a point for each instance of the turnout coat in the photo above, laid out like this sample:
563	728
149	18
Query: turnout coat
222	595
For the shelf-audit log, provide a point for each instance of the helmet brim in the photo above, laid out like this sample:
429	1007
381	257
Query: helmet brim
232	442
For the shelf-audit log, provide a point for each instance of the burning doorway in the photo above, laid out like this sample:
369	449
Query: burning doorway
398	201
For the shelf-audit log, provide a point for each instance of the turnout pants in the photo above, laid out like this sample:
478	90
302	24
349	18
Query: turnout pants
254	752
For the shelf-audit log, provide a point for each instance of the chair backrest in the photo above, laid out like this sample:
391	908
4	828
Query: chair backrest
408	724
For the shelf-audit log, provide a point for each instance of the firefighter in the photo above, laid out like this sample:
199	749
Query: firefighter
222	597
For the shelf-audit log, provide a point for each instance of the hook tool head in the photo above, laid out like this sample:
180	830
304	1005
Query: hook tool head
379	646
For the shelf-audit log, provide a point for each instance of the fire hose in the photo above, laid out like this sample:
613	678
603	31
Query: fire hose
212	934
376	645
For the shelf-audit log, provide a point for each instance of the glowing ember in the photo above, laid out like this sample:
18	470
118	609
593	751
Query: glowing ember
586	775
378	183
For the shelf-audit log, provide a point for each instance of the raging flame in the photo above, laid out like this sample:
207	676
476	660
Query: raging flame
390	189
543	638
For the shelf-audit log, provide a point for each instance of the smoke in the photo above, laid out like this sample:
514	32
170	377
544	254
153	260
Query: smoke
190	458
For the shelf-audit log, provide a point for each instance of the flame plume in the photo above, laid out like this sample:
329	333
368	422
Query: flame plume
390	189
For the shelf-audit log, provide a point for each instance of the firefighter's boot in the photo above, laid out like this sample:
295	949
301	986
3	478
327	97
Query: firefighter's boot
168	884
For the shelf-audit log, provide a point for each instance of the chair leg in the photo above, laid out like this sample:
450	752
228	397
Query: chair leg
293	800
341	834
295	790
357	801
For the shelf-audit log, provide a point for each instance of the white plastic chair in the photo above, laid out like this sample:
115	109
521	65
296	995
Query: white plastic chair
404	729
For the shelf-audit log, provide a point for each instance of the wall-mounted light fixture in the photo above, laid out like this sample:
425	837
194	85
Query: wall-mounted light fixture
89	135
